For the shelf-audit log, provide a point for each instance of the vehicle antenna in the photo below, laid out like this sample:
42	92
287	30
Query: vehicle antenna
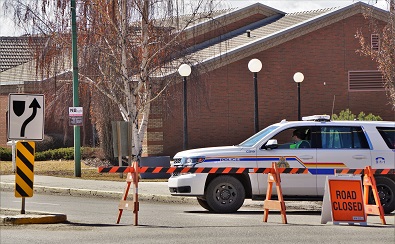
333	105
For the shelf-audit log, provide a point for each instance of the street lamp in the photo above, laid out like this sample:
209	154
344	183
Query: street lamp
255	65
185	70
298	78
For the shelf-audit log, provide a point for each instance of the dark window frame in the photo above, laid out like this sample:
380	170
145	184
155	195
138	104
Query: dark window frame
355	132
387	139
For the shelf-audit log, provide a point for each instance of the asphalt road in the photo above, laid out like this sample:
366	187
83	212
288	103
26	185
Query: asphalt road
93	220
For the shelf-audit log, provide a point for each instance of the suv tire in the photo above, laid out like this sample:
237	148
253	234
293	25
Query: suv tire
386	189
203	203
225	194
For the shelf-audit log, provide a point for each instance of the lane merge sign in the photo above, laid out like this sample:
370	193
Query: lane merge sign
25	117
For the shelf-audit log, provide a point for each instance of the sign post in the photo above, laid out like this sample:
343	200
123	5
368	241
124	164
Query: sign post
24	176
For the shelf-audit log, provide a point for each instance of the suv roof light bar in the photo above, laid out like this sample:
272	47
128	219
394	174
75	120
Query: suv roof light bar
317	118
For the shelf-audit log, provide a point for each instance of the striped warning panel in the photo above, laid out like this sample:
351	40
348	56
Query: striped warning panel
293	170
362	171
208	170
24	176
116	169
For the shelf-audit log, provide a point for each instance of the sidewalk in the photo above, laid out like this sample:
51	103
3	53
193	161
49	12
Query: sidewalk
148	191
153	191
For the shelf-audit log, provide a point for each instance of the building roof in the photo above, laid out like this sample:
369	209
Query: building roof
260	30
269	32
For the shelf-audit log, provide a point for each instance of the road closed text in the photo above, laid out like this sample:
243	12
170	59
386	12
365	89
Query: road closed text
346	201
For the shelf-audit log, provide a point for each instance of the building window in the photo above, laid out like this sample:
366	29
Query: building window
375	42
365	80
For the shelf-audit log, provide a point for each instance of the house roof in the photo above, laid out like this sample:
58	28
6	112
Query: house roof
20	74
17	65
14	51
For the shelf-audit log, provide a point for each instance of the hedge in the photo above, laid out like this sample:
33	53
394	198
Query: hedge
53	154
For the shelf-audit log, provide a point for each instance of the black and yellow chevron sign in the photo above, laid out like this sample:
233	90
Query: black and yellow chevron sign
24	169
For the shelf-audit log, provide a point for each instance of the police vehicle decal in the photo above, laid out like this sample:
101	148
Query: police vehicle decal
380	160
320	168
283	163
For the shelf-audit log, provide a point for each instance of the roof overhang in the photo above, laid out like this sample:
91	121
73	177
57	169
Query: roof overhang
231	17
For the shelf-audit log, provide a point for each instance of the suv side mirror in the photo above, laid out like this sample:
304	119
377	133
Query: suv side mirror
271	144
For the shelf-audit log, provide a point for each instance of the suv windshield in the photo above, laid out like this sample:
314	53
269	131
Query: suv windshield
258	136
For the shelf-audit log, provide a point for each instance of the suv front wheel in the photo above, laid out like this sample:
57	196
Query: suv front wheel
225	194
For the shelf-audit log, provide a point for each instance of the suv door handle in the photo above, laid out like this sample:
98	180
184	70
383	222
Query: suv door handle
358	157
306	157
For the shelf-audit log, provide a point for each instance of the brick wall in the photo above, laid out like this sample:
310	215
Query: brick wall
153	139
223	115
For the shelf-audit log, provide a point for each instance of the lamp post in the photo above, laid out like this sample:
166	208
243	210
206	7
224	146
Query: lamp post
298	78
185	70
255	65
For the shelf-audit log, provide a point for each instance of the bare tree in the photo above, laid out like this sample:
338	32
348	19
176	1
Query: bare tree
385	55
123	45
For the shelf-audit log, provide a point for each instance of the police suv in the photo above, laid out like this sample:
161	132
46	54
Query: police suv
328	144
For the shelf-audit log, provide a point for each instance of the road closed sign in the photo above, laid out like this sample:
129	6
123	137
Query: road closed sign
343	199
25	117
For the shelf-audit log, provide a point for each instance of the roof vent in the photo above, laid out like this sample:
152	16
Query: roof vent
248	33
375	42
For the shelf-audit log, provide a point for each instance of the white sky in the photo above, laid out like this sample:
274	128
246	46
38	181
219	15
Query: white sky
7	28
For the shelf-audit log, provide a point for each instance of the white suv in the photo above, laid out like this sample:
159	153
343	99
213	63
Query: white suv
328	145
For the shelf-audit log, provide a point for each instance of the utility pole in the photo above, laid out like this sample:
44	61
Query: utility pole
77	141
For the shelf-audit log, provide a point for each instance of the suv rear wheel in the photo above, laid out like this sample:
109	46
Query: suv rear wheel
386	190
225	194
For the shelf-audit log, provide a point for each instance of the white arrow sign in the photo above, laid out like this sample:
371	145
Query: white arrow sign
26	117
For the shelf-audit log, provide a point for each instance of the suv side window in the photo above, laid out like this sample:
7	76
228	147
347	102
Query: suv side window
339	137
286	139
388	135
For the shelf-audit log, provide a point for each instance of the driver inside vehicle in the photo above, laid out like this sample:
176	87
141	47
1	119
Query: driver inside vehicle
298	140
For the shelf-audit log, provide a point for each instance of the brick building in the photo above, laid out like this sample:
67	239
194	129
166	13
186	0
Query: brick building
321	44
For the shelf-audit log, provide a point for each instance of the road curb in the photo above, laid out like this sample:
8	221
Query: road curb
13	217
